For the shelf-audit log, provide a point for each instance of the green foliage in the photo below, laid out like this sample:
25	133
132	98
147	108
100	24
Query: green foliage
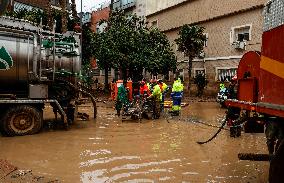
128	45
37	15
33	15
87	45
191	41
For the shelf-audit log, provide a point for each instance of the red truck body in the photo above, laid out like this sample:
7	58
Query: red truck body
261	77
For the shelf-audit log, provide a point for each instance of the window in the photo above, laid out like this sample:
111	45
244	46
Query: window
199	71
240	33
225	74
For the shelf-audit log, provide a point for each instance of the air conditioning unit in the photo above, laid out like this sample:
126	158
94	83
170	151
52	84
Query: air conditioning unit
240	45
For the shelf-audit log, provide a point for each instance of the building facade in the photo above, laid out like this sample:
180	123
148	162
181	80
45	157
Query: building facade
37	4
231	27
158	5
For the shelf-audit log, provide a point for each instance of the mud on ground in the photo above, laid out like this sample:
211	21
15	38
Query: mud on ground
109	150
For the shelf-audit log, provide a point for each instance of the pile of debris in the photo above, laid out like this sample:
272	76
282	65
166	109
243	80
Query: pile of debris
10	173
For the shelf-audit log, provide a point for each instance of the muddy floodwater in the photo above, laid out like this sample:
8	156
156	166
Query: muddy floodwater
109	150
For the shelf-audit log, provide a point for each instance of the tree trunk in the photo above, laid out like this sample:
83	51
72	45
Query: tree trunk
63	16
189	72
106	79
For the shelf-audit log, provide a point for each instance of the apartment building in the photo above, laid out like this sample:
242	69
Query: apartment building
231	27
36	4
137	7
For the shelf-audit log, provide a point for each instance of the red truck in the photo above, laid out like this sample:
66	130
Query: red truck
260	80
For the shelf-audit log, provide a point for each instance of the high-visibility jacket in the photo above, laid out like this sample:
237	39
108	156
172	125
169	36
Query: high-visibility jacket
222	86
148	85
157	92
165	87
177	86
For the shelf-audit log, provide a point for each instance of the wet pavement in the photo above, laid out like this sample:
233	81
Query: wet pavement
109	150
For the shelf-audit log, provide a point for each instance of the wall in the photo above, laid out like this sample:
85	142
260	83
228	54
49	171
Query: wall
218	24
98	15
157	5
199	10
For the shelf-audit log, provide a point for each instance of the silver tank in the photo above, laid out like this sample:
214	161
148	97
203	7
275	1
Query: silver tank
23	43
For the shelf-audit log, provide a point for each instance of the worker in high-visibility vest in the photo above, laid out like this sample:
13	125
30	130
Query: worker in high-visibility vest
177	93
144	90
156	98
122	98
164	89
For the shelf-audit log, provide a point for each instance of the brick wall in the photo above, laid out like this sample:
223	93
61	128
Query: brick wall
99	15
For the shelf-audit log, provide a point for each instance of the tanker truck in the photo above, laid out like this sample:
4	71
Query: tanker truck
260	84
37	67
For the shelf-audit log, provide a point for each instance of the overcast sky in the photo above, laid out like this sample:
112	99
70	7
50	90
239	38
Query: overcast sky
88	4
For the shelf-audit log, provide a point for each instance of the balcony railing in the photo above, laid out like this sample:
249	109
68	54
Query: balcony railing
124	4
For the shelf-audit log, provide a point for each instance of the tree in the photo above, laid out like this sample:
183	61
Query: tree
129	46
74	11
87	44
191	41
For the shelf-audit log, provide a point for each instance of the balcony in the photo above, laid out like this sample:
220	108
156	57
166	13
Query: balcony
56	4
124	4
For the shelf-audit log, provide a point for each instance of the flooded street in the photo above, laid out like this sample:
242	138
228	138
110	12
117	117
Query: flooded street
108	150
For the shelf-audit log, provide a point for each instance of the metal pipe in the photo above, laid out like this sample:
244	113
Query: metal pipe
53	76
28	54
40	42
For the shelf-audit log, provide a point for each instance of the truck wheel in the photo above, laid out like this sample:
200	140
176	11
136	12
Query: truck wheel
22	120
277	165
